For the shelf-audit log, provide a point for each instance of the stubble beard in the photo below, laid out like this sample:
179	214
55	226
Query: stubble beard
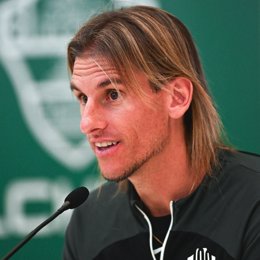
132	170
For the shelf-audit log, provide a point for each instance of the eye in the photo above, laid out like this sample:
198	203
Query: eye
113	94
83	99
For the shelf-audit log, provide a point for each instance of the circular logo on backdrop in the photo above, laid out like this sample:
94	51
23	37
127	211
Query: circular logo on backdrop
34	35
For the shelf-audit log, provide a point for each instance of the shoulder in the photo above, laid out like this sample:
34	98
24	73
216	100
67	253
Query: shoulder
248	160
240	174
103	193
242	164
106	199
102	218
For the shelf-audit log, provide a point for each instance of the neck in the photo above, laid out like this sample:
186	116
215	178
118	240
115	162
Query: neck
159	188
167	178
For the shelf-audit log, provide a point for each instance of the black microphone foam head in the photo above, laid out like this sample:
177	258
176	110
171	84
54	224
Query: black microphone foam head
77	197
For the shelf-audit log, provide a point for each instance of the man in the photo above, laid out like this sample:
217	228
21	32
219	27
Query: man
174	190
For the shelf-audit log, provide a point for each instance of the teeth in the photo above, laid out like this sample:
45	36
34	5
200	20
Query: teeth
105	144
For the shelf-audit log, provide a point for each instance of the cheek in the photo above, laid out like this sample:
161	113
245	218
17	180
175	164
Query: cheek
149	127
141	123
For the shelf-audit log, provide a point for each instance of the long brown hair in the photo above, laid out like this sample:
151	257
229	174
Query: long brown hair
159	45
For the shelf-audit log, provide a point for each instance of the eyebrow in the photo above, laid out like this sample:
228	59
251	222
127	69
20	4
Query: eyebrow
102	84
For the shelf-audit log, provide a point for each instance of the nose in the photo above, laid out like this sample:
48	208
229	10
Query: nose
92	119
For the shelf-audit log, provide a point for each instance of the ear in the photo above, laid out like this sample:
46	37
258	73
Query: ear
181	90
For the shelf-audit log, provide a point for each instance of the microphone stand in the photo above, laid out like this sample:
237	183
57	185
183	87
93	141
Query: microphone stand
64	207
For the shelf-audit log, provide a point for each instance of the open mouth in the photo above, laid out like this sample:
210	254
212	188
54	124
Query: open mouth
105	145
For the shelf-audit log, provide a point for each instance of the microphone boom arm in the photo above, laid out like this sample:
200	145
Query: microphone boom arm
73	200
64	207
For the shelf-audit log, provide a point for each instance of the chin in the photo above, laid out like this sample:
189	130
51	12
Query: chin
116	177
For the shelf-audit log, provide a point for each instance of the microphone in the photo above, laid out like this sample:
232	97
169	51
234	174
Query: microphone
73	200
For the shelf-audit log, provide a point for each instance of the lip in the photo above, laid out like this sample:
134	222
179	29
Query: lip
101	152
106	151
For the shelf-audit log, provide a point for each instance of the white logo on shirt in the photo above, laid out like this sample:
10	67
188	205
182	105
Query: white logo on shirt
202	254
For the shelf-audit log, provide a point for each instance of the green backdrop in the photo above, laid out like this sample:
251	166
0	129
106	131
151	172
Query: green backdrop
43	155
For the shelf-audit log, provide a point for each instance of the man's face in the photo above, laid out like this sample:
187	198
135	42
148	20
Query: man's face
125	132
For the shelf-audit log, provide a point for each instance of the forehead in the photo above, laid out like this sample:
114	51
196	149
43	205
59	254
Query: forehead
89	72
92	67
